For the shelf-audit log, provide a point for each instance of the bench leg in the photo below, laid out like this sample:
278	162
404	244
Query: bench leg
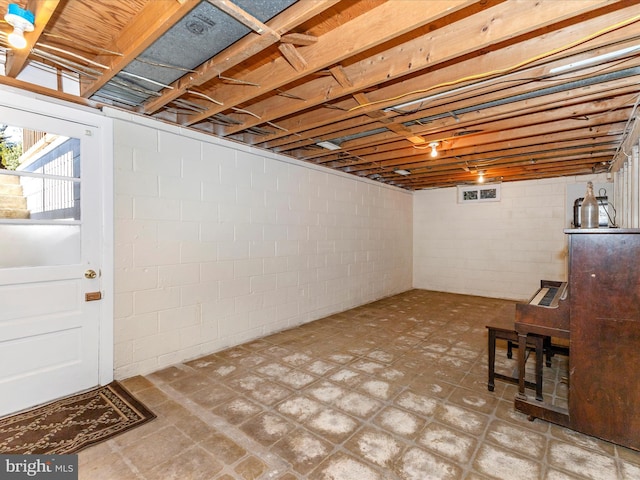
492	360
539	341
522	360
548	350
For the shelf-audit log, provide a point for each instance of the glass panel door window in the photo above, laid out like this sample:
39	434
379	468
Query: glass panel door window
40	199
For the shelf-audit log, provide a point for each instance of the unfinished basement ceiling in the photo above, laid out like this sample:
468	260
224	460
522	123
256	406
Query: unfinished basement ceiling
202	33
513	89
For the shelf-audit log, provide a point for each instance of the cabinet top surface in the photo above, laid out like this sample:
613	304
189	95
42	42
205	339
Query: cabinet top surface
610	231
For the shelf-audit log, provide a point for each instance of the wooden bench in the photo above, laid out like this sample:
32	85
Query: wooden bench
502	327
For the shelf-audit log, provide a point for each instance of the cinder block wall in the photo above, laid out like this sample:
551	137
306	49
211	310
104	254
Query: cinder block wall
494	249
217	243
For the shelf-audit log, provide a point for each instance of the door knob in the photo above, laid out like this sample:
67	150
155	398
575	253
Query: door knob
90	274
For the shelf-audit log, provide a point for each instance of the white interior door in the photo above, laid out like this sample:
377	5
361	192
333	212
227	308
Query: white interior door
51	282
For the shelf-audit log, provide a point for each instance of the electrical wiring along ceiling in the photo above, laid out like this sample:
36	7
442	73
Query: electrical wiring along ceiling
412	94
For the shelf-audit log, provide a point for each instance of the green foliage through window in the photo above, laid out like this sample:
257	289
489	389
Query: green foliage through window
10	150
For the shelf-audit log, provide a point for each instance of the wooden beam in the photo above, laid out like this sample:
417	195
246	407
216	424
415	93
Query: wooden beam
583	105
563	146
240	51
478	152
518	171
418	175
431	172
517	129
240	15
299	39
525	124
342	78
42	11
426	164
443	46
538	147
362	99
155	19
565	128
48	92
403	131
387	20
586	100
292	56
520	84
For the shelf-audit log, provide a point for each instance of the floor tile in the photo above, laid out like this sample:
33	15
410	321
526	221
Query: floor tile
267	428
520	440
418	464
341	466
376	446
448	442
303	450
399	422
504	464
578	460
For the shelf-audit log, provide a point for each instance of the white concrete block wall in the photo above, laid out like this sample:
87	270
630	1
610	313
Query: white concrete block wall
495	249
217	243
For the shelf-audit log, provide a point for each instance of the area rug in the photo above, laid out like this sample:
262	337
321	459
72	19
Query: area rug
71	424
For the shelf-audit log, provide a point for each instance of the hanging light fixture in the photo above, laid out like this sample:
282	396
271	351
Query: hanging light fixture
22	21
434	146
480	176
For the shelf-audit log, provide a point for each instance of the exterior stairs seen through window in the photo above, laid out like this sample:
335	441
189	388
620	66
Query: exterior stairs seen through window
12	202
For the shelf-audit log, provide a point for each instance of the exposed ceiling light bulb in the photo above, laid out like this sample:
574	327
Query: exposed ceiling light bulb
434	152
22	21
16	39
480	176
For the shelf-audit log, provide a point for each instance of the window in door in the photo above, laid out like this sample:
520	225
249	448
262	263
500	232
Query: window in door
40	190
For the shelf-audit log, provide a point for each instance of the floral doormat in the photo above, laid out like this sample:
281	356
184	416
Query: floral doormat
71	424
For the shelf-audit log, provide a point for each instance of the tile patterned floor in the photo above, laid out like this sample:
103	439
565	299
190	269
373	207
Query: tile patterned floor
392	390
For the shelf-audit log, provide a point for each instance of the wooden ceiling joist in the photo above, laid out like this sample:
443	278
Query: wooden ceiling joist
242	50
291	54
497	60
240	15
516	88
144	29
334	46
299	39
